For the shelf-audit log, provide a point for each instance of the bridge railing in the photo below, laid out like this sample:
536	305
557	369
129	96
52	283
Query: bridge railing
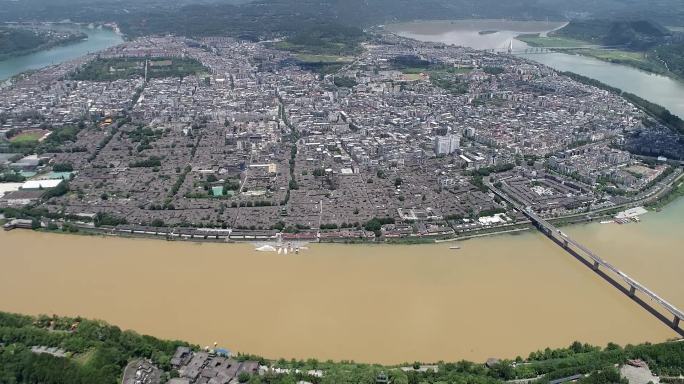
556	233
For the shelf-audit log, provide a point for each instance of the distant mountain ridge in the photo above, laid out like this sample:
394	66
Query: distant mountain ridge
638	35
257	18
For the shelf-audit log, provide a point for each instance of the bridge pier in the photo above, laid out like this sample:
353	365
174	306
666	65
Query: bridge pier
586	256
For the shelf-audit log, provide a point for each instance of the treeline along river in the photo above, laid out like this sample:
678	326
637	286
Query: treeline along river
500	296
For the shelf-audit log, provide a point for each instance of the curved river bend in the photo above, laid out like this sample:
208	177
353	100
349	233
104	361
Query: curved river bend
98	39
659	89
501	296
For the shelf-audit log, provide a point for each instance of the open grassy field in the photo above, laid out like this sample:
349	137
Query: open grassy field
615	55
634	59
310	58
551	41
412	76
28	136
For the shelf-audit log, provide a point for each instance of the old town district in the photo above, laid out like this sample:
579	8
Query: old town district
229	140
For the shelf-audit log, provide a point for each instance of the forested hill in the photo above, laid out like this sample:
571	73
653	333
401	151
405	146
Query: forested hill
262	18
660	46
632	34
265	17
14	40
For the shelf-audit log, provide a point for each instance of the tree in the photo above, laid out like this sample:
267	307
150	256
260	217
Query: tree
62	167
57	191
344	82
103	218
503	370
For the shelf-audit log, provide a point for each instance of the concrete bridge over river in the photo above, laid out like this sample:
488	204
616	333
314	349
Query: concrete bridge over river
603	268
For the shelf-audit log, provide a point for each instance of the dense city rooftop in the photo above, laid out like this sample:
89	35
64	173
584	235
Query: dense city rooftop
165	132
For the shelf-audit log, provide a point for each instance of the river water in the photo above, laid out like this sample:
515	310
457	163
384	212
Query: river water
478	34
659	89
98	39
500	296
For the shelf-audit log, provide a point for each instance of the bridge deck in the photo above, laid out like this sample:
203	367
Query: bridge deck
555	232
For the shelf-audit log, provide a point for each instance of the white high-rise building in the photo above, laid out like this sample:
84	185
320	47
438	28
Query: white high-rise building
445	145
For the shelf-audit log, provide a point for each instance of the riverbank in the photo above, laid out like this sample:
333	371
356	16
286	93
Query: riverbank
72	351
661	114
443	304
673	195
658	89
644	61
71	39
656	200
98	39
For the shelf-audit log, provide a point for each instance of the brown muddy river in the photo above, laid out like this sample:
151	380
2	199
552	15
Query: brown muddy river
501	296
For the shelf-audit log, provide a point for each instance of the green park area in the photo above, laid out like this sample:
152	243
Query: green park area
125	68
446	77
328	59
27	137
323	64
